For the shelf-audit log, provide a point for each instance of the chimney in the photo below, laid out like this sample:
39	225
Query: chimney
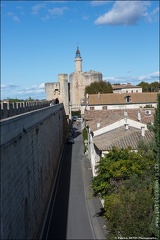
126	126
143	131
139	116
99	95
98	125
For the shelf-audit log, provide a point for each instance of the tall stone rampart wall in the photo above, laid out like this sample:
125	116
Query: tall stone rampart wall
31	144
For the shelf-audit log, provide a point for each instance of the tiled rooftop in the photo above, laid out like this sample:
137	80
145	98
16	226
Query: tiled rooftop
106	117
121	138
114	98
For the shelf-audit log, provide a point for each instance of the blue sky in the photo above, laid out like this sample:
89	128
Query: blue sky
120	39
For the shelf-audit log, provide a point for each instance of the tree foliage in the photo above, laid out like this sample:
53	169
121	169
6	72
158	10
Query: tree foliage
157	130
125	181
117	166
99	87
156	152
149	87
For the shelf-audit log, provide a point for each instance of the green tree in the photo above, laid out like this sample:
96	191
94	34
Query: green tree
149	87
125	181
129	213
117	166
156	152
145	86
99	87
157	130
154	86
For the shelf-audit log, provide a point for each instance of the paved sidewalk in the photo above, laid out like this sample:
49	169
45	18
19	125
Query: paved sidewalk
94	204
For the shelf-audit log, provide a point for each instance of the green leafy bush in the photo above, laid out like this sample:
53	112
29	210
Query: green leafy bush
125	181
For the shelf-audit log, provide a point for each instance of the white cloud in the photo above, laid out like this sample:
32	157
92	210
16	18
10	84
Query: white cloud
34	89
9	86
10	14
57	11
99	3
155	11
15	19
154	15
37	8
10	90
85	17
41	86
20	9
124	13
152	77
54	12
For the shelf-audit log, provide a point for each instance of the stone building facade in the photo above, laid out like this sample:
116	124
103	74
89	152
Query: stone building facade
79	80
59	90
74	94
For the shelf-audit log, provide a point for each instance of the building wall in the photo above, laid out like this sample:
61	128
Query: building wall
128	90
63	97
31	144
78	82
58	90
52	90
118	107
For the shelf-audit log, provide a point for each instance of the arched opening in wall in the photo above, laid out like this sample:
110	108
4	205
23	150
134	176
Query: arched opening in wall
26	219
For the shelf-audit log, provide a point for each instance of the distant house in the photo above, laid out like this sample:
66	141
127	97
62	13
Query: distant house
117	120
119	101
114	131
126	88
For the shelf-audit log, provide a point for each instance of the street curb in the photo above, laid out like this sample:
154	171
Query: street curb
94	204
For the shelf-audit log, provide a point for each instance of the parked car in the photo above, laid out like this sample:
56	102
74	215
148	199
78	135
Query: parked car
70	140
71	133
74	118
79	119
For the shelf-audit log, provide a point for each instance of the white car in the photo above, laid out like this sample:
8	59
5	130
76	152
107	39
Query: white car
79	119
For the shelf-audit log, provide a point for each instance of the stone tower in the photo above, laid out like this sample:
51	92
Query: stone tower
79	80
59	90
78	61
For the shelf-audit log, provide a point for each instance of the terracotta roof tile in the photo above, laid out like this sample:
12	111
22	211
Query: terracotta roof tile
121	138
119	98
106	117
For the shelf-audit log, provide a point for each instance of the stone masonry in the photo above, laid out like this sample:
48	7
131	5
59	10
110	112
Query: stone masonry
31	144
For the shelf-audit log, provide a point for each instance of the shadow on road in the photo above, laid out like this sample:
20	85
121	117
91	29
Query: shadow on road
57	221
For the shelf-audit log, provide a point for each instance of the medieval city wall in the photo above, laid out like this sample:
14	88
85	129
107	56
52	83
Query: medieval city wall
31	144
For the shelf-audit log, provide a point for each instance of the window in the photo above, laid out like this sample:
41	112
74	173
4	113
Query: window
127	98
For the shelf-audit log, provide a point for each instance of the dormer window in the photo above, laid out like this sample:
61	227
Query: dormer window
127	98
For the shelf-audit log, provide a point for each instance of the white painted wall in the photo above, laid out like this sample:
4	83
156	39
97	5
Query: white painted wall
120	123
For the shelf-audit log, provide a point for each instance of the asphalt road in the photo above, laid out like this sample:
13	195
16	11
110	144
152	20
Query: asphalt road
74	213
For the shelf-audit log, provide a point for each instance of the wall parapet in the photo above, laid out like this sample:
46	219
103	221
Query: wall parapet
31	146
11	109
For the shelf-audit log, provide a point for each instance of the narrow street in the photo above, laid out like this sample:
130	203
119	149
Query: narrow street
74	213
